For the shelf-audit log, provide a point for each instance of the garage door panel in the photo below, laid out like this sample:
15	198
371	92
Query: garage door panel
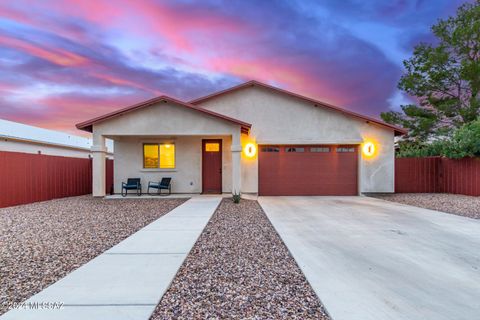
308	173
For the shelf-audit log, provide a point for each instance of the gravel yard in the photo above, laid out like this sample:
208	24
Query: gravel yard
239	268
42	242
461	205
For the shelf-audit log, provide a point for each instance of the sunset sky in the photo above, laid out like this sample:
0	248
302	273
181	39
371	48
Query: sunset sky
63	62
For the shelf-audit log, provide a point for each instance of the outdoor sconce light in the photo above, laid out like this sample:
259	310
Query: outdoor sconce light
250	150
368	149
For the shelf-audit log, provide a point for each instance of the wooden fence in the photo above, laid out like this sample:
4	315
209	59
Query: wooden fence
26	178
436	174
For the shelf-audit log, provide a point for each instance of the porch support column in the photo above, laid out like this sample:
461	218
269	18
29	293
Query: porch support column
99	151
236	164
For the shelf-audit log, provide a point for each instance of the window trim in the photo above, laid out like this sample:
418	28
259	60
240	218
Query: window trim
159	168
217	143
143	155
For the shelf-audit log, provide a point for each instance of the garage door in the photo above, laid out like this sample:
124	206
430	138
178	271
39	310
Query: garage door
307	170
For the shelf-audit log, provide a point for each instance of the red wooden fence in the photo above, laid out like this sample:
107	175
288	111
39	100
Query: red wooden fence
435	174
26	178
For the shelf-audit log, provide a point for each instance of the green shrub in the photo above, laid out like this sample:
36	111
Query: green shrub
419	150
236	197
464	142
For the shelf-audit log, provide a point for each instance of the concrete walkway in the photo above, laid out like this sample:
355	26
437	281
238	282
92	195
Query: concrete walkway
128	280
370	259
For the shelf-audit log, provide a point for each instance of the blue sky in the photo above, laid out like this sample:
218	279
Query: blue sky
63	62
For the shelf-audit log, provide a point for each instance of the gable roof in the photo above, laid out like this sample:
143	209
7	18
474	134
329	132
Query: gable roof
316	103
88	125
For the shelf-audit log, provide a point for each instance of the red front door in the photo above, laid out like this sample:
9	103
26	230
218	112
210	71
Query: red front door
212	166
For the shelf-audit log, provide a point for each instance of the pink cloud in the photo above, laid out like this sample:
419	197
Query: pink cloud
124	82
64	112
57	56
181	24
294	77
178	24
7	87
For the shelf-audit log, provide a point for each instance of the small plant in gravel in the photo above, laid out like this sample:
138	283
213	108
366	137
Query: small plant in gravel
236	197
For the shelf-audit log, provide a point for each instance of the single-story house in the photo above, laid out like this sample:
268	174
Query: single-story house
252	138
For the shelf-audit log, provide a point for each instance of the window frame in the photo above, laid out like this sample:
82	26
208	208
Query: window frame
212	143
174	156
143	155
158	144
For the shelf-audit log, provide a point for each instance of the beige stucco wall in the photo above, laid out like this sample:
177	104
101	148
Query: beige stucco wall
166	122
165	119
187	175
281	119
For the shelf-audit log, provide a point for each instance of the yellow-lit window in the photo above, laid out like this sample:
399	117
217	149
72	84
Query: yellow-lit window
150	156
212	147
167	156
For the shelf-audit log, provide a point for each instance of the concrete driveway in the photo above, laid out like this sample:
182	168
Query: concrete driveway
372	259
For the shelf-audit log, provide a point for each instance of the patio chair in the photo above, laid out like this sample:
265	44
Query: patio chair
165	184
132	184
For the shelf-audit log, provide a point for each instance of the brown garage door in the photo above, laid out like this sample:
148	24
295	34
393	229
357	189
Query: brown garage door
307	170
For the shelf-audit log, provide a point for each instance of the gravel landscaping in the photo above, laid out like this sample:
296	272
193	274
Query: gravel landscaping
461	205
239	268
42	242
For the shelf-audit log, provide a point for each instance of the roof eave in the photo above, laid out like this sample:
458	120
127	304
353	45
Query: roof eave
397	130
88	125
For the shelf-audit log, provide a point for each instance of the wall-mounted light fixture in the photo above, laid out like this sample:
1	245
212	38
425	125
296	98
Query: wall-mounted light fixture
368	149
250	150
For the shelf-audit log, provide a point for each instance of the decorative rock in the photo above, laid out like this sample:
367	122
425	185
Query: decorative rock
458	204
44	241
239	268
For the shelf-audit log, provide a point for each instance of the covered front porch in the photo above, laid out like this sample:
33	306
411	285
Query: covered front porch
195	163
163	137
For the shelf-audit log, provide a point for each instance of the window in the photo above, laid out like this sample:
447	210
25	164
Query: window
345	149
320	149
270	149
291	149
150	156
167	156
159	156
212	147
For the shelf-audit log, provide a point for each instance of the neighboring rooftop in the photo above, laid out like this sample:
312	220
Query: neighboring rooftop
20	131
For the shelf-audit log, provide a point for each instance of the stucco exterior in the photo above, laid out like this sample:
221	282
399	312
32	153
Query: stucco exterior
271	118
167	122
277	118
187	175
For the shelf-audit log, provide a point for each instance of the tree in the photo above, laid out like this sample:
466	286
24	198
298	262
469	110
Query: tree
444	79
465	142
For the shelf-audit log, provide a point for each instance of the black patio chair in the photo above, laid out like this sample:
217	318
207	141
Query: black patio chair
132	184
165	184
